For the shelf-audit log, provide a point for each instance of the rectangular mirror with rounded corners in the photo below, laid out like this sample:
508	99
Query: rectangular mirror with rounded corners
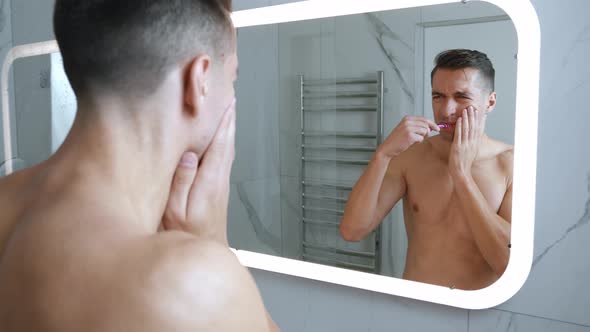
322	85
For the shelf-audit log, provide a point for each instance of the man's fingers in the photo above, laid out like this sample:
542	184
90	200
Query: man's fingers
421	121
465	126
221	151
417	138
213	178
181	186
472	122
420	130
458	131
477	123
210	191
432	125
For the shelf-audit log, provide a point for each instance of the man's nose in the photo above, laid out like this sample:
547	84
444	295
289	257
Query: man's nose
450	109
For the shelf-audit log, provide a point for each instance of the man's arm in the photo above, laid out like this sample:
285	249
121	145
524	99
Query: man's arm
382	184
201	286
490	230
376	192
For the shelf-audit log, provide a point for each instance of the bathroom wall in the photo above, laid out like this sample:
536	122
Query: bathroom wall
31	22
556	296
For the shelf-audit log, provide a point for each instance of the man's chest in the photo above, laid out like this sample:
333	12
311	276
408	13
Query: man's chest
431	191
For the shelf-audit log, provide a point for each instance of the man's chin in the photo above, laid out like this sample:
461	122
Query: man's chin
447	135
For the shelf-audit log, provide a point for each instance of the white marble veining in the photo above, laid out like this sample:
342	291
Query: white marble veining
558	287
254	216
384	35
583	221
581	40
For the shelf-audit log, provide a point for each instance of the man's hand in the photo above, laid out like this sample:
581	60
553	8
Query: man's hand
469	130
410	130
199	194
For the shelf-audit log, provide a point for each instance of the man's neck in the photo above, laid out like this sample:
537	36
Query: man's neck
128	160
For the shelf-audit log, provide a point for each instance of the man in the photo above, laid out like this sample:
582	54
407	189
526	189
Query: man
456	186
79	243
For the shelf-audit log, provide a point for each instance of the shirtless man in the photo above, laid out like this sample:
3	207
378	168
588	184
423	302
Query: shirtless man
456	186
150	150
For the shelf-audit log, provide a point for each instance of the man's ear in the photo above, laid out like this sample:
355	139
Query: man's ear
491	102
196	84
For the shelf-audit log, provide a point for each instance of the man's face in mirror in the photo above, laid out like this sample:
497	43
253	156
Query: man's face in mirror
453	90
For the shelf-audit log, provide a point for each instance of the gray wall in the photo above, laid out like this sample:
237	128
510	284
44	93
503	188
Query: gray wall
31	22
556	296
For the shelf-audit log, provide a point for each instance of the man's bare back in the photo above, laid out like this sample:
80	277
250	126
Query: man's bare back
69	263
441	248
123	228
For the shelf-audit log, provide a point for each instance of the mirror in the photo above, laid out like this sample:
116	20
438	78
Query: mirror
315	99
375	69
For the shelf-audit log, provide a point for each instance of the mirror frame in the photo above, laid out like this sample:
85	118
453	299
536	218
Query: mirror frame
526	23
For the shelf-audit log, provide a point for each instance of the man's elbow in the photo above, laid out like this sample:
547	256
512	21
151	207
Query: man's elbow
500	266
349	234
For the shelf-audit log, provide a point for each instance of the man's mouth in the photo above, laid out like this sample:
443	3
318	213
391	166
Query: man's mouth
445	125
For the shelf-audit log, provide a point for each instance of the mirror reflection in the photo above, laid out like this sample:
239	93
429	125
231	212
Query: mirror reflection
348	151
347	147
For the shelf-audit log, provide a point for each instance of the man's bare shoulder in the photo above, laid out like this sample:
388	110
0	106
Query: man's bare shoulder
410	158
13	183
206	280
419	151
183	252
503	154
13	200
414	153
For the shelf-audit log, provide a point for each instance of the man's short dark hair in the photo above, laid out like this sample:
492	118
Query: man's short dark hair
130	45
461	59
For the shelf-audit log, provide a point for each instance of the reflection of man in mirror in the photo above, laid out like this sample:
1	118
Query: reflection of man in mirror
456	186
124	227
